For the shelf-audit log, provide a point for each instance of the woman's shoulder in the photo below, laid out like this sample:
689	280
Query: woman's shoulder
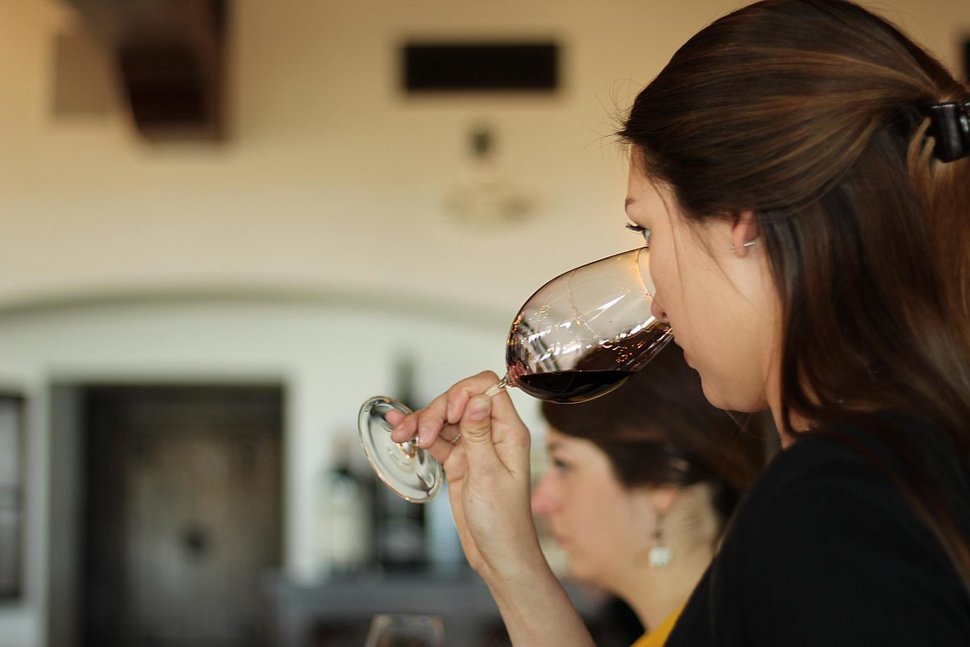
826	540
826	485
878	452
855	482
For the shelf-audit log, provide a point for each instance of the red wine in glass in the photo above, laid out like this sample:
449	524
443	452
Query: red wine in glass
571	386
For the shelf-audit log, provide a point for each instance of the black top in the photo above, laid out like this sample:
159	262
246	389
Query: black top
826	551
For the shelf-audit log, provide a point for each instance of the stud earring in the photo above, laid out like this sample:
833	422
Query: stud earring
748	243
660	554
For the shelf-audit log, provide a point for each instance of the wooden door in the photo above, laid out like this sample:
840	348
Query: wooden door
183	515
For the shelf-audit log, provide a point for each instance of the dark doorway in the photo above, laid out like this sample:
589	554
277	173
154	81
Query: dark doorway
182	515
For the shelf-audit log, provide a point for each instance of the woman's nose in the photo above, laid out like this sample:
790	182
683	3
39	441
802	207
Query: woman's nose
658	312
543	497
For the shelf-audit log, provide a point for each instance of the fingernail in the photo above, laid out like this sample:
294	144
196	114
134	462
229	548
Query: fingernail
478	408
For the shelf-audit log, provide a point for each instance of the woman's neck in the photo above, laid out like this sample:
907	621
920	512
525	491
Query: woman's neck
654	596
690	529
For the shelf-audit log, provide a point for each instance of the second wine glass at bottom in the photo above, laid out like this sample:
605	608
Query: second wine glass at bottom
579	336
405	630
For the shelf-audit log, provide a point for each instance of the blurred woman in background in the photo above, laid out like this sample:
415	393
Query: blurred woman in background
640	484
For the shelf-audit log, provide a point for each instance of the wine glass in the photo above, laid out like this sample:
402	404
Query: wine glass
404	467
579	336
405	630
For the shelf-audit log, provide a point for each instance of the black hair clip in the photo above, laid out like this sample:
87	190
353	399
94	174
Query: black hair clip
950	127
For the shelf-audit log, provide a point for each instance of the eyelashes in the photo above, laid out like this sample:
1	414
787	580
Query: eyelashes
640	229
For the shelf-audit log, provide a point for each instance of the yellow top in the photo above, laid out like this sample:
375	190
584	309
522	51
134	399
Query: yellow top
658	636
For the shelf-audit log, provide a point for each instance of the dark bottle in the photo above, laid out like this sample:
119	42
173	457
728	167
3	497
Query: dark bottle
401	538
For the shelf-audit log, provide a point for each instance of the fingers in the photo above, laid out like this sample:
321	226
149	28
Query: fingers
442	449
424	424
447	409
393	416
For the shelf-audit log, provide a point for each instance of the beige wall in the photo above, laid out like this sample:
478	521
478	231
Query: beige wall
331	176
329	192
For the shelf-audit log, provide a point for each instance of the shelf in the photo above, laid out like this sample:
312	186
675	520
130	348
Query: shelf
338	611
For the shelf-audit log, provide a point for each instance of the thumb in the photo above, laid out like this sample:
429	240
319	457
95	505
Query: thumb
476	428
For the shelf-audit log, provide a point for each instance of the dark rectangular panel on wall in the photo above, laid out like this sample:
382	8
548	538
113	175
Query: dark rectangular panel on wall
480	66
966	58
13	479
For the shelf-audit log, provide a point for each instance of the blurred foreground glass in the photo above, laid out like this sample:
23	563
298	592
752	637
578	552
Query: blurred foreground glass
404	630
579	336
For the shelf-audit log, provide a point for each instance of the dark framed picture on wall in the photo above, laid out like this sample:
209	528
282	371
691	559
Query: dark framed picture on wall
12	442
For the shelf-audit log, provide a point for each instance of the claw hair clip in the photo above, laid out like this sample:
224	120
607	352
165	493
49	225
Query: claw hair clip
950	128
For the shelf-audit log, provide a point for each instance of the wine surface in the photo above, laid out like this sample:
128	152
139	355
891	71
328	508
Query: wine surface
572	386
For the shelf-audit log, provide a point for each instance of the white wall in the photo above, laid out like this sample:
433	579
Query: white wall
329	355
320	217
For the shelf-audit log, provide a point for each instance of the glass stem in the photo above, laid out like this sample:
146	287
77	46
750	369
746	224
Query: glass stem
501	385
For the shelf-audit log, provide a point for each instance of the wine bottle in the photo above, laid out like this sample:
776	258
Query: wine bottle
346	536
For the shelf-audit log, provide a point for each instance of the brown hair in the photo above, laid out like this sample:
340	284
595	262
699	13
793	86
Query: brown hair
659	429
812	114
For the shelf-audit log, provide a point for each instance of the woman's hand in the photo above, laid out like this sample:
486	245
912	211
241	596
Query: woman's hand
484	448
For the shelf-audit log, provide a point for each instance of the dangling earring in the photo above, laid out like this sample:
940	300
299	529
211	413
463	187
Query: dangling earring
660	554
749	243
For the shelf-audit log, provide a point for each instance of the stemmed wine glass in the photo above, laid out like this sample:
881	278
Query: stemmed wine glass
579	336
405	630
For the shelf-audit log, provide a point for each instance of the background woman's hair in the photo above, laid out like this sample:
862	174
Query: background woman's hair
659	429
812	114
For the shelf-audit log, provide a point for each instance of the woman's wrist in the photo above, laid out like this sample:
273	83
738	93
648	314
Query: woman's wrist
521	564
535	607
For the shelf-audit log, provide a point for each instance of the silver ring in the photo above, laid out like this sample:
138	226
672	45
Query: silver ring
456	439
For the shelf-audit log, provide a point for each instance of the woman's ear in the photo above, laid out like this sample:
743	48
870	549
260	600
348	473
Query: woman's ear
744	233
662	498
